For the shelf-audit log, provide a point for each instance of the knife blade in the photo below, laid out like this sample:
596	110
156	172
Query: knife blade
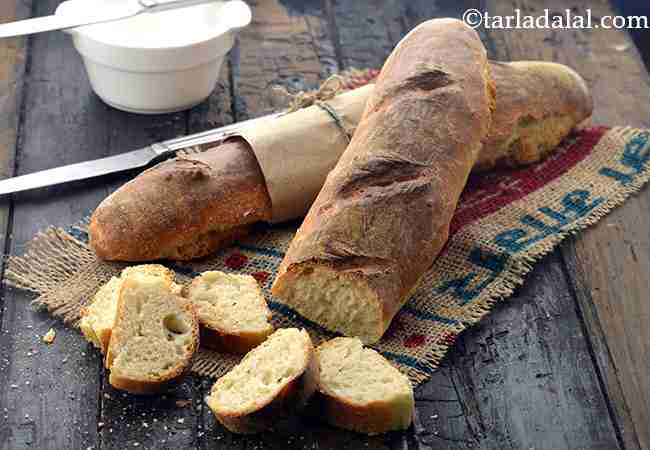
62	22
79	171
124	161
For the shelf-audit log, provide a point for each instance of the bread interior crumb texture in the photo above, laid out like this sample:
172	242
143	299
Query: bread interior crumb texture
262	374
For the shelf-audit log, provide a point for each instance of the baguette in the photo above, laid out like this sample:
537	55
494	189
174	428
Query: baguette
360	391
221	193
182	208
272	383
154	338
232	311
383	214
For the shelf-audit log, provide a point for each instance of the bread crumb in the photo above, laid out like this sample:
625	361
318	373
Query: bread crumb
49	337
181	420
183	403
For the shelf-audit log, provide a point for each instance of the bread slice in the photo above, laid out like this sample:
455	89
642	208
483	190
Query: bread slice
273	381
360	390
232	311
98	318
154	338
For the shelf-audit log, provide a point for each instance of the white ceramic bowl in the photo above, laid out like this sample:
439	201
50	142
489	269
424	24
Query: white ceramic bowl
157	63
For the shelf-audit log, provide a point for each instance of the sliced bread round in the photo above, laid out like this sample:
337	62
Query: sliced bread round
98	318
273	381
232	311
360	390
155	336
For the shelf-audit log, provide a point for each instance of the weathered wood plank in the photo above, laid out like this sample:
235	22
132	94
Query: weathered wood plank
608	263
12	67
56	399
48	402
522	378
509	382
287	44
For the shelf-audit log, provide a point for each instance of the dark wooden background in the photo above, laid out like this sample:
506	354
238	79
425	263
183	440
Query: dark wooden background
564	364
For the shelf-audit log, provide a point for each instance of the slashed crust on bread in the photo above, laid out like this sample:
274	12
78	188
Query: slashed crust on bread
178	208
538	104
383	214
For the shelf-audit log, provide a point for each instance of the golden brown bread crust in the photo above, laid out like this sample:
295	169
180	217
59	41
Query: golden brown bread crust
383	214
229	343
292	399
374	418
369	418
537	105
183	208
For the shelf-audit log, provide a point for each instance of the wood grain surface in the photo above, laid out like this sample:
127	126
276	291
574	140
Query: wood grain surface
563	364
608	264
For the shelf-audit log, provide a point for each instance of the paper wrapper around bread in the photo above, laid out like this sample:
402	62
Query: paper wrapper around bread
297	151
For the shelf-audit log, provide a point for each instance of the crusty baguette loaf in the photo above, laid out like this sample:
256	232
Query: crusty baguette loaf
383	214
154	338
98	318
182	208
232	311
538	104
359	390
274	381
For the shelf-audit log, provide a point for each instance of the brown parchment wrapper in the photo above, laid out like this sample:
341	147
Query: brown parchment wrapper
297	151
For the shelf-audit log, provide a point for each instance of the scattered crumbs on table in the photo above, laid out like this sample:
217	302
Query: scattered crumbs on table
181	421
183	403
49	337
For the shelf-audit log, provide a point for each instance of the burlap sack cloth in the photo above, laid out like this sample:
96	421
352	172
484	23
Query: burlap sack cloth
505	221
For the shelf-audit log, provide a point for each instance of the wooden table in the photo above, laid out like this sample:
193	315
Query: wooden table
564	364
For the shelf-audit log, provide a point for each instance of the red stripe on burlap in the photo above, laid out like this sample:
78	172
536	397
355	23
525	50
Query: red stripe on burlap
487	193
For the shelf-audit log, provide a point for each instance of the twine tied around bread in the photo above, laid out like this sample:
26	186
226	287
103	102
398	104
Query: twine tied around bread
331	87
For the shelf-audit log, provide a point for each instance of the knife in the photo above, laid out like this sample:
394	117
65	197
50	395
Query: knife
90	16
125	161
